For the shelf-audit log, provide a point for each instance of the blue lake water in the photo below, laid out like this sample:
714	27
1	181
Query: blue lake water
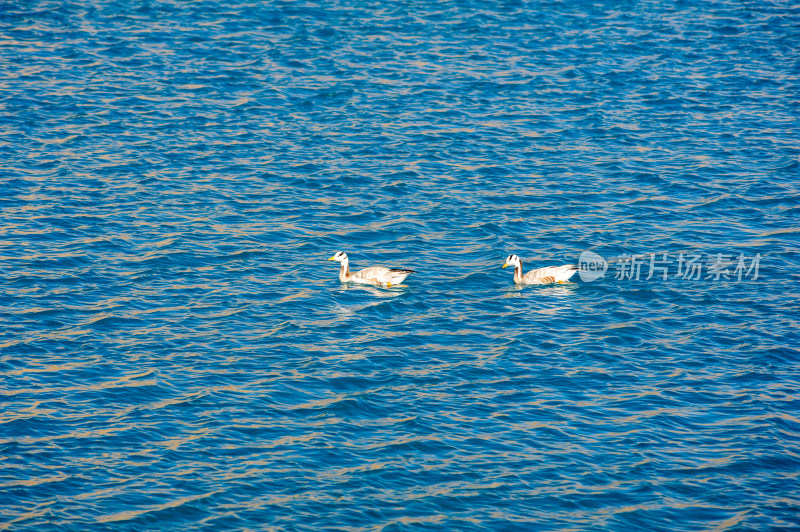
177	353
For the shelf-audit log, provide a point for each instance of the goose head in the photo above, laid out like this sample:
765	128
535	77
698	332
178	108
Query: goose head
513	260
339	256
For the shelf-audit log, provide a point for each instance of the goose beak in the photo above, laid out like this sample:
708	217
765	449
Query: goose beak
332	258
504	265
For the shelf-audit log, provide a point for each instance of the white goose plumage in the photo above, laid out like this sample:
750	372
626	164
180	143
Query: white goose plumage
546	275
374	275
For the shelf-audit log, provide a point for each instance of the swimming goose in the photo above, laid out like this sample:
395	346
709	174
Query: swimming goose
374	275
546	275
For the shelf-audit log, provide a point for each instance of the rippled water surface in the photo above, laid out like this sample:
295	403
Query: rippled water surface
177	353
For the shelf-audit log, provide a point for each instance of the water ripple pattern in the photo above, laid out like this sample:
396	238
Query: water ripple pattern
177	354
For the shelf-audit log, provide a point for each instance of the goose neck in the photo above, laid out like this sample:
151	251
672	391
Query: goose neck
344	271
518	272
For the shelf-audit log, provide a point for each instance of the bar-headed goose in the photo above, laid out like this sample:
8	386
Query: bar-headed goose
374	275
546	275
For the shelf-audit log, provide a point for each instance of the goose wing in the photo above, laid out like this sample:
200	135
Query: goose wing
378	275
550	274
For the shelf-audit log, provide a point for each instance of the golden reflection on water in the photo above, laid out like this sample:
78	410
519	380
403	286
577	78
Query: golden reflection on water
121	382
175	443
132	514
